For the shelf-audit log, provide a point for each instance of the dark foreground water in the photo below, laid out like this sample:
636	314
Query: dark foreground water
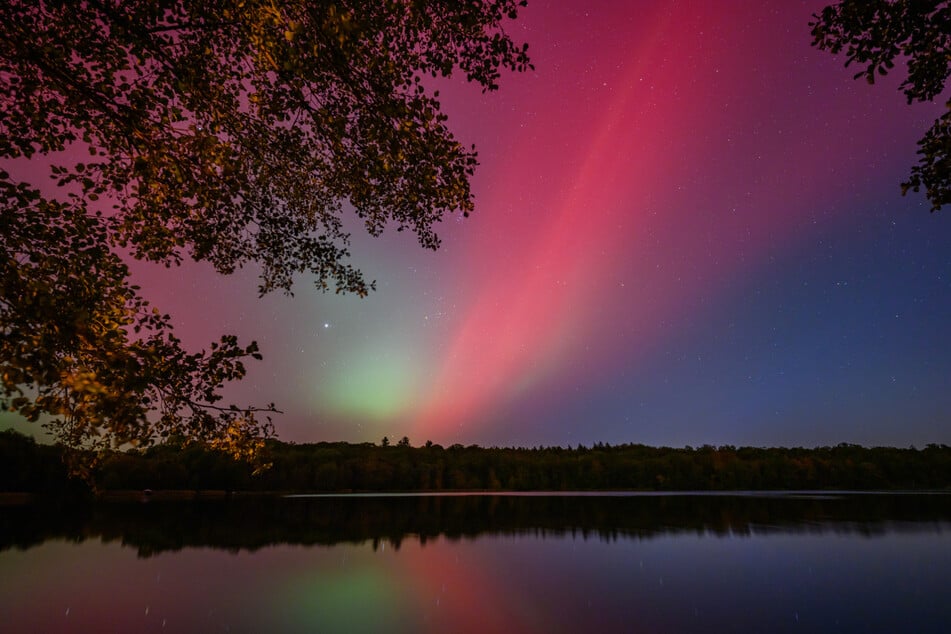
683	563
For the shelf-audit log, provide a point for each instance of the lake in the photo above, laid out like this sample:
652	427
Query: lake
824	562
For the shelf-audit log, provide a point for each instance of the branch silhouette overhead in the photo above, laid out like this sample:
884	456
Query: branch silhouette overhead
877	34
232	132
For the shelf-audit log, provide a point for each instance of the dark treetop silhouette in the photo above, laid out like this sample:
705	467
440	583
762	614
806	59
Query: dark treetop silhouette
26	466
873	33
225	131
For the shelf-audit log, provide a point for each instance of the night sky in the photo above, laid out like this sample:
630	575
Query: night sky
689	229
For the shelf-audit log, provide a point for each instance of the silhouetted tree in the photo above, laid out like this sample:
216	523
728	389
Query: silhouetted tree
874	35
227	131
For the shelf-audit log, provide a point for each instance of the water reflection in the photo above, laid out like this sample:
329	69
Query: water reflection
252	523
478	564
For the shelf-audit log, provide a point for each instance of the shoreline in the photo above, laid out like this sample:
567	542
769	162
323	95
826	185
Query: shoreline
18	498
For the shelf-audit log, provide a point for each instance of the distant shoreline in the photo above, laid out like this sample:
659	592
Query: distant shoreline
180	495
334	468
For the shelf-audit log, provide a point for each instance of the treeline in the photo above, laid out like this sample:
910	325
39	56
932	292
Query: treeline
334	467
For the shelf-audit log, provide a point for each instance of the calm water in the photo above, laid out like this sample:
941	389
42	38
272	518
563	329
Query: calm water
687	563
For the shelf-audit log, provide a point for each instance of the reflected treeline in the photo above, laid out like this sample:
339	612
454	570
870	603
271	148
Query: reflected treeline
249	523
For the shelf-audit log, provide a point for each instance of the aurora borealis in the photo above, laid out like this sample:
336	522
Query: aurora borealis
689	229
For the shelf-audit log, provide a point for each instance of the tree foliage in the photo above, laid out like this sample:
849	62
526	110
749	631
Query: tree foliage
226	131
80	344
340	467
875	34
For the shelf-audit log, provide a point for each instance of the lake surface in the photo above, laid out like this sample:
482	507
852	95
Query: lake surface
482	563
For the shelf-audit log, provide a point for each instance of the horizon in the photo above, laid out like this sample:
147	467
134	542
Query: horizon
428	444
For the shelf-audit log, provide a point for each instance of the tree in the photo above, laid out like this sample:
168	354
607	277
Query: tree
873	34
235	132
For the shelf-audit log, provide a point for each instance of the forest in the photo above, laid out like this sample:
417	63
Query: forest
31	467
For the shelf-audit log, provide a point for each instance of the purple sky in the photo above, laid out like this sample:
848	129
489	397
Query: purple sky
688	229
